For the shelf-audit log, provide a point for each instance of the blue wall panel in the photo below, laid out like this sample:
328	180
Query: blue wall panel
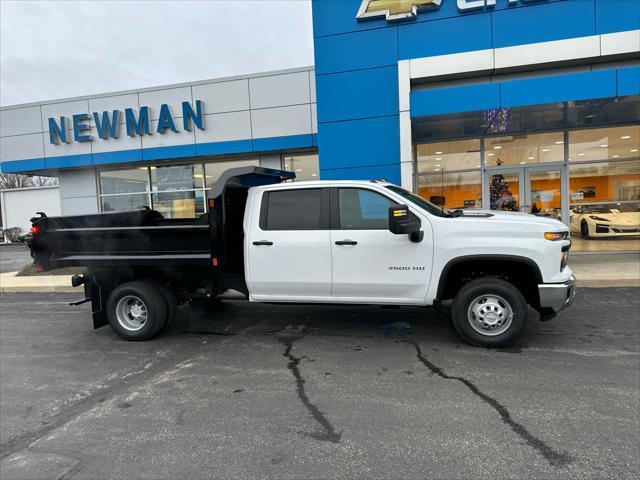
339	16
577	86
117	157
455	99
389	172
374	48
543	23
357	94
374	141
68	161
451	35
18	166
163	153
282	143
629	81
224	148
617	15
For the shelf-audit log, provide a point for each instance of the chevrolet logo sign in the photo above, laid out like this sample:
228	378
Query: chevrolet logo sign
394	9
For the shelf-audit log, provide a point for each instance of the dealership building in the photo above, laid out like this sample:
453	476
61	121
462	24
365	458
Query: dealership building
520	105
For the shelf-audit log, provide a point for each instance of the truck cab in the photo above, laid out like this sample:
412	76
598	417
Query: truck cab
341	242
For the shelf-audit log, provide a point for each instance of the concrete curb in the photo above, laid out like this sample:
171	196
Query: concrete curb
11	283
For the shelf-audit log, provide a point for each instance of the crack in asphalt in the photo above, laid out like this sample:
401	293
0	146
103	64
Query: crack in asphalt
288	337
555	459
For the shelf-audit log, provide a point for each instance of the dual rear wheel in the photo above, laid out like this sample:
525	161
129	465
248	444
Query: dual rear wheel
139	310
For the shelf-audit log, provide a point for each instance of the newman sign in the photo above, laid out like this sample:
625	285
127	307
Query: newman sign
108	124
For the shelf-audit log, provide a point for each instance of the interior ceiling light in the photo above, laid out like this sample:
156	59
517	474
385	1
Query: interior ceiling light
497	147
438	165
491	154
545	149
438	153
615	156
438	159
559	142
531	158
633	150
581	154
604	145
625	137
522	163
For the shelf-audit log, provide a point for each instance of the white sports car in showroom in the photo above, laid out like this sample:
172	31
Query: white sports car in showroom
611	219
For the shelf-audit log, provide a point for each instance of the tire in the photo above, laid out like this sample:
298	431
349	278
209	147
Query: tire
489	312
136	310
584	229
170	302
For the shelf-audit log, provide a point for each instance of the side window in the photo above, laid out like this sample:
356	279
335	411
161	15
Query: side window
363	209
297	209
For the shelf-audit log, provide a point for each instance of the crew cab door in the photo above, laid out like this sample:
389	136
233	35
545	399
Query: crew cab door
288	248
371	264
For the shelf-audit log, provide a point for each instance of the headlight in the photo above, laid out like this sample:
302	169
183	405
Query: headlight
553	236
598	219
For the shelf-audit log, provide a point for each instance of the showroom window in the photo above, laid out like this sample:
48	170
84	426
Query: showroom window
305	166
176	191
524	149
449	173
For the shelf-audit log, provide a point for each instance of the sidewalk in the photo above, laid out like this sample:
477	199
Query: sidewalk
591	271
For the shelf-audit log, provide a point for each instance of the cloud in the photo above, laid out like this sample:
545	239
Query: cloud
52	50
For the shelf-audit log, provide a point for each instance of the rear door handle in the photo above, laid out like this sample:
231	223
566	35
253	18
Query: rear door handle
263	242
346	242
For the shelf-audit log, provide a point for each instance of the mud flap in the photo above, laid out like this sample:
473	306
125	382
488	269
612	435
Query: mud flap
93	291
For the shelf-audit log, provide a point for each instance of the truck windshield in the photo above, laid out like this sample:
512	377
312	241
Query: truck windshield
419	201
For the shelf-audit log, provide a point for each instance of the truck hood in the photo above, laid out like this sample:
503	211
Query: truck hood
514	217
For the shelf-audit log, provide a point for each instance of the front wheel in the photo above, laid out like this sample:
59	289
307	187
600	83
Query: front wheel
584	229
136	310
489	312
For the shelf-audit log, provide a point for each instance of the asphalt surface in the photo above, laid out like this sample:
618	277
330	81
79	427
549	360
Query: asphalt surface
267	391
14	257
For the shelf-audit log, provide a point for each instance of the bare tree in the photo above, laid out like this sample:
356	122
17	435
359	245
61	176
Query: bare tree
15	180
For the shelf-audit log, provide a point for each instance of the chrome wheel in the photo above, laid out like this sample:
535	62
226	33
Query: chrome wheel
490	315
131	313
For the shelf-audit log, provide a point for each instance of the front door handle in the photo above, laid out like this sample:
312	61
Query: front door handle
263	242
346	242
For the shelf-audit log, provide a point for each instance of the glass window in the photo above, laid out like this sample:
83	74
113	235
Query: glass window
447	156
293	210
187	204
213	170
452	190
305	166
176	177
363	210
604	143
604	182
132	180
524	149
120	203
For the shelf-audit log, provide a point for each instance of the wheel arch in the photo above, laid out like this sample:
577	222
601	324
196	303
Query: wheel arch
523	272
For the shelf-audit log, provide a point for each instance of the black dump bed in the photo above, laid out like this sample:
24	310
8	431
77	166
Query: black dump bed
144	238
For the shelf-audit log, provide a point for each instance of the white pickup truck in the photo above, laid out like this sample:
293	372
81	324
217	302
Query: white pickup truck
340	242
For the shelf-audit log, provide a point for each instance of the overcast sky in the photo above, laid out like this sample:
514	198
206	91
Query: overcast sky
52	50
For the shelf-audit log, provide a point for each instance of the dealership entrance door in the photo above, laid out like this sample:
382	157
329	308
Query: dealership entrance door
535	189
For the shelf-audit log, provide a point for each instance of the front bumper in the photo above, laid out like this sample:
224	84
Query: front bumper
557	296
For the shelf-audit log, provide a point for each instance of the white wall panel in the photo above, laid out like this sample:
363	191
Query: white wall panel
223	96
71	148
22	204
279	90
545	52
116	102
620	42
477	61
223	127
79	205
312	86
77	183
314	118
169	138
124	142
283	121
171	96
21	147
63	109
19	121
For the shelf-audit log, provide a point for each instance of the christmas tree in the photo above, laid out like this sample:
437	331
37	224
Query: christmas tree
500	196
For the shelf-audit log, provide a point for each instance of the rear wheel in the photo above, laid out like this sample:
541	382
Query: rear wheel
170	301
489	312
136	310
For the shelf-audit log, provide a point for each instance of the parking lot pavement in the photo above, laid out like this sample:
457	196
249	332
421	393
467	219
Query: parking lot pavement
14	257
267	391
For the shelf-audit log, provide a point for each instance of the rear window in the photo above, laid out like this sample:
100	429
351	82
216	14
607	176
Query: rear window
292	210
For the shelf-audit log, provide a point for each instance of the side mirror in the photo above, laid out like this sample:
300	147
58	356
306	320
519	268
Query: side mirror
402	221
